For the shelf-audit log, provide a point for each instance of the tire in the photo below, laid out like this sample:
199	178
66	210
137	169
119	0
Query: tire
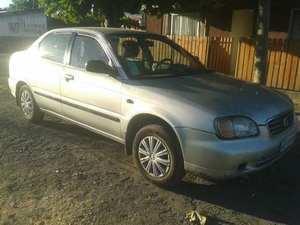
27	103
163	165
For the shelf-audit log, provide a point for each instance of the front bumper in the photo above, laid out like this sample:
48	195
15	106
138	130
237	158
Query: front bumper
206	154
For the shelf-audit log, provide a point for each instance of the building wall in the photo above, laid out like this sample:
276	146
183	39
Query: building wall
154	24
241	26
191	24
19	29
27	24
219	22
242	23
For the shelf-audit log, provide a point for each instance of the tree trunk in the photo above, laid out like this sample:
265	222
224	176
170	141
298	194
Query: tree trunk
262	29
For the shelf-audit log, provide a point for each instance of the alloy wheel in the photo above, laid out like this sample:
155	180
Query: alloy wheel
154	156
27	104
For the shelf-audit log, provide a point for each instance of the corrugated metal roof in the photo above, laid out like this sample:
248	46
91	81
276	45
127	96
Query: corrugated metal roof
24	12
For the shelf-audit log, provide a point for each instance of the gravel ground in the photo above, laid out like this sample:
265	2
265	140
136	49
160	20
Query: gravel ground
57	173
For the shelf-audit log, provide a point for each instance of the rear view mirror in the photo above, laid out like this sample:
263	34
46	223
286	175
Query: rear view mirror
98	66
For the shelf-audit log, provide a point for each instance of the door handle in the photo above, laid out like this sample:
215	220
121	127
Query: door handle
130	101
69	77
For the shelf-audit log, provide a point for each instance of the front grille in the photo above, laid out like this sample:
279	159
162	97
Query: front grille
281	123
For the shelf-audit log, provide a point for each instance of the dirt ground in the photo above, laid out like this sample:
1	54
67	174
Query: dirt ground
59	174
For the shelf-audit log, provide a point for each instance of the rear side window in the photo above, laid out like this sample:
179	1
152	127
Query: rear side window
84	50
53	46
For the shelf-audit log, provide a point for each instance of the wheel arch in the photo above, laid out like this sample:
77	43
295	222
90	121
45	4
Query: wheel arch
141	120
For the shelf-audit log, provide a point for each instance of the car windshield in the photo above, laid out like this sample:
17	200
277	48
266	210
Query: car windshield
149	55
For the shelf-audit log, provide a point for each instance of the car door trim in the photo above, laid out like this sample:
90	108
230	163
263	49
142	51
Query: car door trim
97	131
104	115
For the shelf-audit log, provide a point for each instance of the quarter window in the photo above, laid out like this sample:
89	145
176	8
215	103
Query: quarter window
54	46
86	49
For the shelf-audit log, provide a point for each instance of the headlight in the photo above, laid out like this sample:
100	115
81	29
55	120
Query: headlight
235	127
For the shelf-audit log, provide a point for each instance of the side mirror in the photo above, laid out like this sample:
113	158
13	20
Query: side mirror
98	66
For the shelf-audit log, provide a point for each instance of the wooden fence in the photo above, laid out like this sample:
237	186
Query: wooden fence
283	70
214	53
236	57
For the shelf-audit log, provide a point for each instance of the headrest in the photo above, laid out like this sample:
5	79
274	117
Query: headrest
131	49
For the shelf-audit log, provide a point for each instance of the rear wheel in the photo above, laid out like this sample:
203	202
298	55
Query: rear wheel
30	109
157	155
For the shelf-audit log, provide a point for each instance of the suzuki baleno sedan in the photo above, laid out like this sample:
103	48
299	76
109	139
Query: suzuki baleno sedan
151	95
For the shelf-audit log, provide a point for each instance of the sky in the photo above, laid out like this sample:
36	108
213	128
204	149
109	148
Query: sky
4	3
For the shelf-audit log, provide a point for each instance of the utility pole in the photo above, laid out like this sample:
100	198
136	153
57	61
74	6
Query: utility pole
261	41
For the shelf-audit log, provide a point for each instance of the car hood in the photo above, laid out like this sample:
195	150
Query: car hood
212	95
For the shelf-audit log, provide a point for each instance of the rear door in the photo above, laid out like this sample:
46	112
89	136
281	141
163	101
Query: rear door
93	99
49	70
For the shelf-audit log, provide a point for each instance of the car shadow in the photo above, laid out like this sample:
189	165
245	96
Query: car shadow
272	194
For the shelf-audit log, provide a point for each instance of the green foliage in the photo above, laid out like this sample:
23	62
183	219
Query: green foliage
18	5
129	23
78	11
188	6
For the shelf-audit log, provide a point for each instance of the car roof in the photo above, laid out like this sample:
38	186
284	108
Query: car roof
101	30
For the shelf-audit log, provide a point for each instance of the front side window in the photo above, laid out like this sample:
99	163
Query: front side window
53	46
145	55
86	49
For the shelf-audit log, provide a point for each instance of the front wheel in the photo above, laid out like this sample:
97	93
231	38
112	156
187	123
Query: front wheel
30	109
157	155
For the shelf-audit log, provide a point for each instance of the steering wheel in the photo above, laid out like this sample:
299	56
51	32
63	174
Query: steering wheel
163	61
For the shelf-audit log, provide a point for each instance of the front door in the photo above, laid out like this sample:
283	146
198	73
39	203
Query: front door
93	99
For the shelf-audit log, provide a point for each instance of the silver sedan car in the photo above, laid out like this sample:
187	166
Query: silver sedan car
151	95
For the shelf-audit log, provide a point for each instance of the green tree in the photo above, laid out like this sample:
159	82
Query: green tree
18	5
77	11
190	6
